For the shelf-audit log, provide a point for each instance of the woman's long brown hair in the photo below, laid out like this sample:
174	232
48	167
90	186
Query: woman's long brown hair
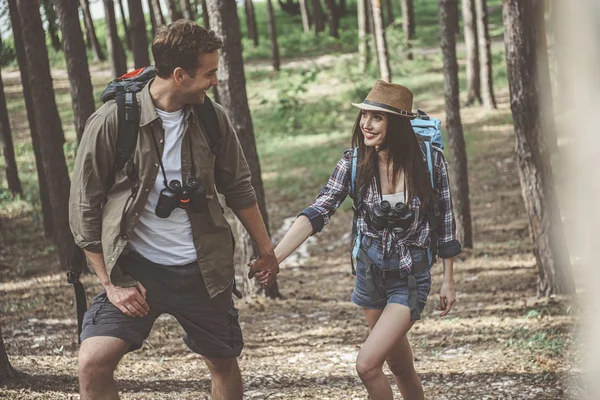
404	153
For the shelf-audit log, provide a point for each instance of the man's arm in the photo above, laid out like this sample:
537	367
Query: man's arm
130	300
266	262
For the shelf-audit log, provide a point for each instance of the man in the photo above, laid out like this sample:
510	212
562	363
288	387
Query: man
181	264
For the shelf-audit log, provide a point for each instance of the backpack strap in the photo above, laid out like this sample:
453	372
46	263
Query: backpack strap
75	271
432	212
356	234
207	116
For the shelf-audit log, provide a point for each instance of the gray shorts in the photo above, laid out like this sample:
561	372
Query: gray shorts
211	325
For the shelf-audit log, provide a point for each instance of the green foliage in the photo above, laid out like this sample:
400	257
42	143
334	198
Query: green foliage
549	341
7	53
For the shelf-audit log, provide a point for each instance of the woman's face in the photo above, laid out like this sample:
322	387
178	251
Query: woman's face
373	125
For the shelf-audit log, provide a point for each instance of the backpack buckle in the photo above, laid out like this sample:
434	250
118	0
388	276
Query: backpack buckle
73	277
129	114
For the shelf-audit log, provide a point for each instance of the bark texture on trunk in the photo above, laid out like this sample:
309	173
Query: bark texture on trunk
273	36
125	26
333	18
12	174
48	121
7	372
158	15
251	22
187	9
380	40
389	12
29	105
89	24
114	47
233	97
318	19
306	23
408	26
473	73
363	39
82	93
205	17
535	172
139	40
448	10
174	12
52	26
485	55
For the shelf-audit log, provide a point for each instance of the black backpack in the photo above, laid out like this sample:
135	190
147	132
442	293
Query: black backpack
123	90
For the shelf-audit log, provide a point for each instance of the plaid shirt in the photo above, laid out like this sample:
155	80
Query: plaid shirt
418	234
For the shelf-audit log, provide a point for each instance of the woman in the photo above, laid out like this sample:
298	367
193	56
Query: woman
394	200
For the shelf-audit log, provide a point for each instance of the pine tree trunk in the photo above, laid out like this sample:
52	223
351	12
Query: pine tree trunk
29	106
89	23
389	13
188	11
343	8
547	104
114	47
408	26
333	18
12	174
318	19
473	73
205	16
535	172
456	142
232	95
125	26
363	45
174	12
152	18
251	22
273	36
382	51
88	35
7	372
485	55
158	15
305	16
50	14
46	116
82	93
139	40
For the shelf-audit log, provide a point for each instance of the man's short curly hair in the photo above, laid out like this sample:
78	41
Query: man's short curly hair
180	44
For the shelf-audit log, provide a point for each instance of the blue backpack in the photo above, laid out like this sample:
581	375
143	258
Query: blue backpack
429	133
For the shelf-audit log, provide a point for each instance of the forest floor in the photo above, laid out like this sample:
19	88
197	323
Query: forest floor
500	341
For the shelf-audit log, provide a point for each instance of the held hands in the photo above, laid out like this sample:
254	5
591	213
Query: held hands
265	268
447	297
130	300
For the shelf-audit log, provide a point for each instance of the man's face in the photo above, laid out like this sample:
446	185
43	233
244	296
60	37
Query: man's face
194	88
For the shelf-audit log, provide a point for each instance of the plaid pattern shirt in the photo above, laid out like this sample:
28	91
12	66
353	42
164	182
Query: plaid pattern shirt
418	234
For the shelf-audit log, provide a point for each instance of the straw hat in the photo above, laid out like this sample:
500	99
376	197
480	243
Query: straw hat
390	98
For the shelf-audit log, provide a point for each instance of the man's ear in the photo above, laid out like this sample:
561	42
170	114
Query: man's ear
179	75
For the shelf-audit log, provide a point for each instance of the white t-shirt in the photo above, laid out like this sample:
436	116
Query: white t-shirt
166	241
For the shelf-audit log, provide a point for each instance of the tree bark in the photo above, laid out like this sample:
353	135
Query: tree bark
485	55
89	23
473	73
535	172
205	17
547	104
46	116
305	16
82	93
174	12
188	11
158	15
12	174
232	95
408	26
273	36
50	15
448	10
333	18
318	19
139	40
251	22
33	130
389	13
382	51
114	47
363	43
152	17
125	26
7	372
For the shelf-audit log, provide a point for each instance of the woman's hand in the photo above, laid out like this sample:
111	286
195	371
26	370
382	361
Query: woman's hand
447	297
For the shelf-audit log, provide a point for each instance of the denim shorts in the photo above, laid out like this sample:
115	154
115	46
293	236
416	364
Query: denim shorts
392	288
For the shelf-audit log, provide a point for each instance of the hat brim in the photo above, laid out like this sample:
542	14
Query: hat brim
369	107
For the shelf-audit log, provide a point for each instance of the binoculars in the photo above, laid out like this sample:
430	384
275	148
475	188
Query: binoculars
397	218
191	195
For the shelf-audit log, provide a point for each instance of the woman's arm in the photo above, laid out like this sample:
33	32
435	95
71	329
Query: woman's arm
300	230
447	294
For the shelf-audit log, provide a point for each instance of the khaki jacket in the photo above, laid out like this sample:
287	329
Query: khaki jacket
96	211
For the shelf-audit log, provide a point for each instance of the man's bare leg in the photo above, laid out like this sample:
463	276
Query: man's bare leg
98	359
226	378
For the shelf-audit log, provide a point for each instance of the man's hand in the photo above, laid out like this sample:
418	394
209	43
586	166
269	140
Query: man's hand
265	268
130	300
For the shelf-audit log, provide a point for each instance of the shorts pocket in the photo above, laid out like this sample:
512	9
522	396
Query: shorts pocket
236	331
